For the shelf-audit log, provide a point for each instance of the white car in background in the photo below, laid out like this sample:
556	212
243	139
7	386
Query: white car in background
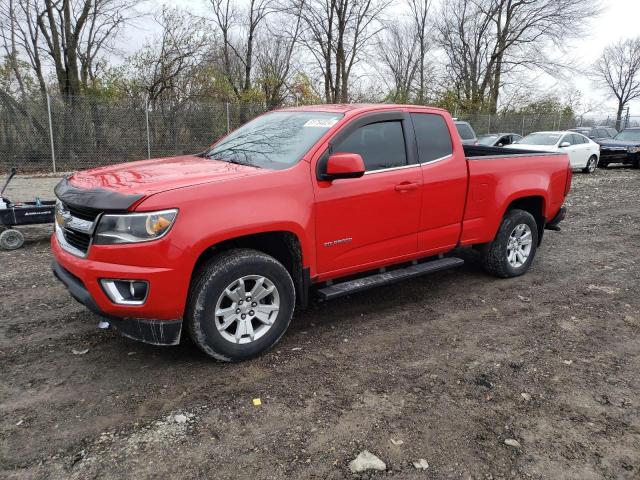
583	152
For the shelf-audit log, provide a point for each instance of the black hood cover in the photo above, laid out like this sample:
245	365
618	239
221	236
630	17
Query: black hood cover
96	198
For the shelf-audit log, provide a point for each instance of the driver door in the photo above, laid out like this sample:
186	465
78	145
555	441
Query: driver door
367	221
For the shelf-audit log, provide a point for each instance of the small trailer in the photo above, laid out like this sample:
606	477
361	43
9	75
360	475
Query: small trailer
21	213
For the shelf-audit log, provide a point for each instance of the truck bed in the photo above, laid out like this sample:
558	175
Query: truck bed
474	151
496	174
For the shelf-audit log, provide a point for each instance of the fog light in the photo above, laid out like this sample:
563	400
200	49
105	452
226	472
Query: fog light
126	292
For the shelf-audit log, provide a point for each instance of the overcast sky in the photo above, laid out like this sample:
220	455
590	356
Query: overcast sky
620	19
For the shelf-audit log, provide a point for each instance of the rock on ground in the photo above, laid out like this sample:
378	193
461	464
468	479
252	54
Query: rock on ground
366	461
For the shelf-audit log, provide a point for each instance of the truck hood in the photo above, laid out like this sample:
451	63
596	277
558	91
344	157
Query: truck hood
618	143
117	187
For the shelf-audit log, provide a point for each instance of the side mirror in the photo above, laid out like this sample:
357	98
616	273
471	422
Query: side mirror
344	165
565	144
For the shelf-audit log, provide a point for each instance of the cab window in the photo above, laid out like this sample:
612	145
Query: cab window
432	136
381	145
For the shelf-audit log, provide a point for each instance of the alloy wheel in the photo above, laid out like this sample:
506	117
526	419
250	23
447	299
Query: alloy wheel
247	309
519	245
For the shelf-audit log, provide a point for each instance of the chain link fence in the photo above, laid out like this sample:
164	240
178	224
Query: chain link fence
55	134
528	123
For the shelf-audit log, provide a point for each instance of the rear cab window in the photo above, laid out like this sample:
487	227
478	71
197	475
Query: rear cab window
432	136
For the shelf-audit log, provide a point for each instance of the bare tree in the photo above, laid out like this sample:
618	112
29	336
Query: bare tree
420	16
68	34
399	53
166	68
464	34
239	32
104	21
487	39
275	59
21	38
618	70
337	33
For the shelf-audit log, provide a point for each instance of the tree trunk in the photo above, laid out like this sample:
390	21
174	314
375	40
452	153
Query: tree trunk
619	115
494	89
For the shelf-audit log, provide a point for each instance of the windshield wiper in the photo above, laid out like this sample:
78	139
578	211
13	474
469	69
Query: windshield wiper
238	162
234	161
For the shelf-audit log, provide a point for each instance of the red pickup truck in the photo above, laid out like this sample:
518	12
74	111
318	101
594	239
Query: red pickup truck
328	200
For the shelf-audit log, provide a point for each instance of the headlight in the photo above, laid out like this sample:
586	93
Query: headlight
633	149
133	227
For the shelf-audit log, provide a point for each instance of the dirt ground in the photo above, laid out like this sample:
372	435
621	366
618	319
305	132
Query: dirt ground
439	363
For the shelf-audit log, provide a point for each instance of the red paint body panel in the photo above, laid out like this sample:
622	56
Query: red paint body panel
495	183
344	226
161	174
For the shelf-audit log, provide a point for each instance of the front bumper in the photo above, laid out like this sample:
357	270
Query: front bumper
156	332
617	156
157	321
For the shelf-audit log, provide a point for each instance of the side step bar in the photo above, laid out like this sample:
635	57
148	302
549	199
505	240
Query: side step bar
386	278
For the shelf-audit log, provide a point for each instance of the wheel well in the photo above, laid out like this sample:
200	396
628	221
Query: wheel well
535	206
282	245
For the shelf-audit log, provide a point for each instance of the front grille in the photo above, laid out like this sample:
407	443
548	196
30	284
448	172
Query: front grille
85	213
75	226
78	240
611	154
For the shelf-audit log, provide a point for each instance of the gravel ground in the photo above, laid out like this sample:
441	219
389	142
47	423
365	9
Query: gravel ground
444	368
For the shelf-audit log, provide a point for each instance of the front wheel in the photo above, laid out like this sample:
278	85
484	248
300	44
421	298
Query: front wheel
240	304
591	164
512	251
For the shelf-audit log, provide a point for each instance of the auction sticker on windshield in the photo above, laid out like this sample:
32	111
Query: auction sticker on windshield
321	122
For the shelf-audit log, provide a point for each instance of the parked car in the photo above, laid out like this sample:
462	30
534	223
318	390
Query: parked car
327	200
596	133
466	132
498	139
583	152
624	148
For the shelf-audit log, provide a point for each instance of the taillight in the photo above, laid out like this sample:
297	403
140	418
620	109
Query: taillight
567	185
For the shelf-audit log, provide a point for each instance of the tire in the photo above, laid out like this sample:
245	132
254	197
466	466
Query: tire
11	239
252	325
592	163
496	258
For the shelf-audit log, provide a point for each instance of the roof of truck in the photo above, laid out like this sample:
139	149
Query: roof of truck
353	107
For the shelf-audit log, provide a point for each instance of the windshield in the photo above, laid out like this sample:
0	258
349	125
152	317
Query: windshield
275	140
487	139
540	139
629	135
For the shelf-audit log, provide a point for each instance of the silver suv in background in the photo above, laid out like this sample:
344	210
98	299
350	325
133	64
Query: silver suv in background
467	135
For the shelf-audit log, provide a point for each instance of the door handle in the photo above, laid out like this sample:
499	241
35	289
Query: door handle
406	187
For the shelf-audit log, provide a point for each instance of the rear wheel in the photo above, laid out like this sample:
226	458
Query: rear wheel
240	304
11	239
591	164
512	251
